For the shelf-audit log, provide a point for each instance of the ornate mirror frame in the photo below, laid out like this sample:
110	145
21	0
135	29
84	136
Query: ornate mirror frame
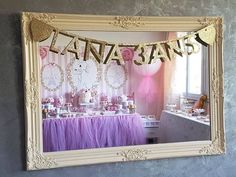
37	159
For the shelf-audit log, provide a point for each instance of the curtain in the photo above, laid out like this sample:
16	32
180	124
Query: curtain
174	77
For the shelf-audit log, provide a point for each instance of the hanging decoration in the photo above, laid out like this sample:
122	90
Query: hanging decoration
115	75
83	74
160	50
40	31
127	54
52	77
43	52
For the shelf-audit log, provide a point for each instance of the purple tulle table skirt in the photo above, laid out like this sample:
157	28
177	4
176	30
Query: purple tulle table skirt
61	134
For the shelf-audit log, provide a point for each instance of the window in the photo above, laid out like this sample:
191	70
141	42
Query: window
192	71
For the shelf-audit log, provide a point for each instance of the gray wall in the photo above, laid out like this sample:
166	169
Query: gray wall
12	153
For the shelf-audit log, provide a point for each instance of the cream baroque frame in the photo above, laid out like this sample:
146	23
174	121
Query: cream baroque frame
37	159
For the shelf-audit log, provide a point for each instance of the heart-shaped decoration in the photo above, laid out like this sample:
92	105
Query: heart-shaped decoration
40	31
208	34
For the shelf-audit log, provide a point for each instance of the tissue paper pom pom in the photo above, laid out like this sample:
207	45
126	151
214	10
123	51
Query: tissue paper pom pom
127	53
43	51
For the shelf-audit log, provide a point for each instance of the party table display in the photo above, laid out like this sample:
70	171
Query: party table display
88	105
88	132
94	123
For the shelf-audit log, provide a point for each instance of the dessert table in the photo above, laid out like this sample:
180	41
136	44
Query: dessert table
88	132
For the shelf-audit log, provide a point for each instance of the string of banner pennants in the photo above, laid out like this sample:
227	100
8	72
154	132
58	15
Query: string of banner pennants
160	50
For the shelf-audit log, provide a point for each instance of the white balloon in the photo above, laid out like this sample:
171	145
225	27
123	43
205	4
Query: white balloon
147	69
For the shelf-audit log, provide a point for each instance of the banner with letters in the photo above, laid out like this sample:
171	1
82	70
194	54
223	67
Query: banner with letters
159	50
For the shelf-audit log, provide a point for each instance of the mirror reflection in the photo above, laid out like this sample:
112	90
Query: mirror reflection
89	105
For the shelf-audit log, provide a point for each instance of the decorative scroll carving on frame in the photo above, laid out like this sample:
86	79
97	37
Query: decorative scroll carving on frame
26	19
35	160
133	154
127	21
205	21
217	146
217	85
31	92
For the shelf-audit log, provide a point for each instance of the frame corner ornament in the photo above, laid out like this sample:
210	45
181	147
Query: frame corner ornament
134	154
35	159
216	147
27	18
127	22
205	21
216	21
31	92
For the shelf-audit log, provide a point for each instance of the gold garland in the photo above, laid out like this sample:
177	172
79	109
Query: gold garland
35	23
27	18
162	50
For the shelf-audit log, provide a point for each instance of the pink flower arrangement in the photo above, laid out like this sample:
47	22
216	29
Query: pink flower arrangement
48	100
103	97
114	100
112	108
81	109
51	100
58	101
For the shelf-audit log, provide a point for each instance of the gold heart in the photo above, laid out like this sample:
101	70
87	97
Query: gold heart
40	31
208	34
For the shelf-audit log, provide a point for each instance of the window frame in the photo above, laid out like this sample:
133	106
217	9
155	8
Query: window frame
204	76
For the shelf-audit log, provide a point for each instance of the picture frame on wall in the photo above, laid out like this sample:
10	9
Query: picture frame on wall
87	70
